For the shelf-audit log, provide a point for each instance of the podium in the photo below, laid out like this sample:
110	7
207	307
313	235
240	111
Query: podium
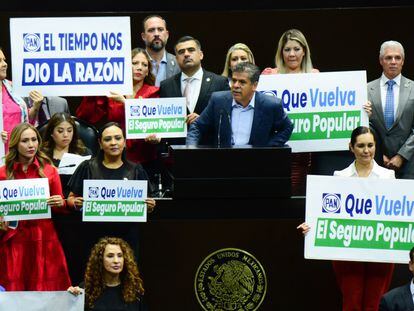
231	172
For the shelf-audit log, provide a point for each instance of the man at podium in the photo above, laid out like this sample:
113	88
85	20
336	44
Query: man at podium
242	116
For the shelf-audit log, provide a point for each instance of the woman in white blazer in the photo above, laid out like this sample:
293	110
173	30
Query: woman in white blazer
361	283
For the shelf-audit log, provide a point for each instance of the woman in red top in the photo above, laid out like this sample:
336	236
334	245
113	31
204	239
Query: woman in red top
31	255
111	109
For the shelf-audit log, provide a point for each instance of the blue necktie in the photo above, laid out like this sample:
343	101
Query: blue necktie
389	105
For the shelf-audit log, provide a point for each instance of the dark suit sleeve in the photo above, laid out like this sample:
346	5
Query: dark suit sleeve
224	84
201	125
383	305
283	127
162	89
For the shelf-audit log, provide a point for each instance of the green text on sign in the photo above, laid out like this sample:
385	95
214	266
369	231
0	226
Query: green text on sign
114	208
369	234
23	207
324	125
155	125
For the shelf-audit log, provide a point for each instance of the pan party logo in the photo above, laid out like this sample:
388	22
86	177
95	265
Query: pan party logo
230	279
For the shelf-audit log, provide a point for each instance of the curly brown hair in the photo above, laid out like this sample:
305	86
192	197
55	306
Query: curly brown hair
131	282
13	154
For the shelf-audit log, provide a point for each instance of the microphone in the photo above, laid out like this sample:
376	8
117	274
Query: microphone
231	129
219	128
69	165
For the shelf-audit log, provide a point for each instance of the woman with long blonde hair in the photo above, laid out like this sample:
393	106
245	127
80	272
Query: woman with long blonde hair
31	255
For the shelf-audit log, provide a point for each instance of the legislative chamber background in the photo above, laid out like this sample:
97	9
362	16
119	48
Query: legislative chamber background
343	35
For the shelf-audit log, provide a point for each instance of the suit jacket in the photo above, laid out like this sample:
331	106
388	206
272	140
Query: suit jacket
271	125
397	299
211	83
50	106
399	139
172	66
172	88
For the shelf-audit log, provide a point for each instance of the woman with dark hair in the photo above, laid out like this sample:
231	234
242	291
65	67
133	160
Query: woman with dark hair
362	283
112	108
112	280
110	163
60	137
31	255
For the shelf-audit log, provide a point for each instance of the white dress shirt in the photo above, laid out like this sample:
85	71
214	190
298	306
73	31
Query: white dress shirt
194	90
241	122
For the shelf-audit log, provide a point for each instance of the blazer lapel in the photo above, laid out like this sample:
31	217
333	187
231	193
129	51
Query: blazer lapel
171	62
404	93
205	87
375	91
408	298
257	119
227	109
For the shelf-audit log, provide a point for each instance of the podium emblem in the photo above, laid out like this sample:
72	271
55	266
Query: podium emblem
230	279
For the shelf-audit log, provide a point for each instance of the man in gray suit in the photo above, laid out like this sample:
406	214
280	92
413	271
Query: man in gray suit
392	119
155	35
43	108
400	298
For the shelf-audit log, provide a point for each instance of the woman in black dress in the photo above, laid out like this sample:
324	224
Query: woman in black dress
112	280
110	163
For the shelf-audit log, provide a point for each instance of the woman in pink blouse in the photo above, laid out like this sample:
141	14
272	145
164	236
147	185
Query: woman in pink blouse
14	107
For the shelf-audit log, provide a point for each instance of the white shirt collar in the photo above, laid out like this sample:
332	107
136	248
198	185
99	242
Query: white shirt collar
197	76
251	102
374	171
163	59
384	79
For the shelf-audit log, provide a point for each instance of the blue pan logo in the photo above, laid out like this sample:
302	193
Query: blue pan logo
93	192
31	42
331	203
135	111
270	93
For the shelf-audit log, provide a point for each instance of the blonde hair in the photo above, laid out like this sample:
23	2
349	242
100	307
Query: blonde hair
13	154
235	47
296	35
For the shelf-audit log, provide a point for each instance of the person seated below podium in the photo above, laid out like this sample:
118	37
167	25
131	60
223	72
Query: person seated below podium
242	116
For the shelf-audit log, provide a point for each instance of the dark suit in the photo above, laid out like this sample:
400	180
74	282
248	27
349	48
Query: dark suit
399	139
172	88
397	299
211	83
172	66
271	125
50	106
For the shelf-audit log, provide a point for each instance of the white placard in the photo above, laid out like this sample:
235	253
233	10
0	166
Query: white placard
164	117
324	107
70	162
23	199
41	301
114	200
72	56
359	219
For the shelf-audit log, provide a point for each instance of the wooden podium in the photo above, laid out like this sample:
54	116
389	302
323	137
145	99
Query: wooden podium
231	172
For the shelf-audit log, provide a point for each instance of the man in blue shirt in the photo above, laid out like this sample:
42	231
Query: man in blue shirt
155	36
242	116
